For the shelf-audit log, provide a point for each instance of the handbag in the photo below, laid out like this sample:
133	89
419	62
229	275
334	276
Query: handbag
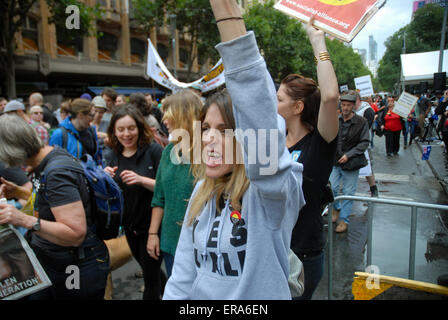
355	163
296	278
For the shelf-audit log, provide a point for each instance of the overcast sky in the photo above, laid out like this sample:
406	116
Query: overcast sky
394	15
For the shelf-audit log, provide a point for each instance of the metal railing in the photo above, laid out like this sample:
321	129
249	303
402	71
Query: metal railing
372	201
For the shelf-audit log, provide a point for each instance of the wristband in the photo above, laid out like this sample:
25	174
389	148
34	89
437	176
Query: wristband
229	18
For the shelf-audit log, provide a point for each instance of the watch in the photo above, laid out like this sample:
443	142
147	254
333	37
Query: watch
36	225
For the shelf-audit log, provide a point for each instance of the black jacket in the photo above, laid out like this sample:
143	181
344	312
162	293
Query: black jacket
354	141
137	199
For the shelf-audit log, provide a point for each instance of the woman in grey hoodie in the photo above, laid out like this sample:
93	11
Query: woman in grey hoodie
236	234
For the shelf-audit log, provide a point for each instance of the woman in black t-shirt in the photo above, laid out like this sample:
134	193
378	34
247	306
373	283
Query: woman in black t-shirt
133	163
312	125
59	228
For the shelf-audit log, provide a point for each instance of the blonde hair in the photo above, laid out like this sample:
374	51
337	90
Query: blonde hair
182	109
234	184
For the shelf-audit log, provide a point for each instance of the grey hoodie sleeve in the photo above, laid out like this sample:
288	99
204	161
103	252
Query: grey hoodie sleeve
267	161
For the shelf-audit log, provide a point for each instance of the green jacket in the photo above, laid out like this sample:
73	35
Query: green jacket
174	185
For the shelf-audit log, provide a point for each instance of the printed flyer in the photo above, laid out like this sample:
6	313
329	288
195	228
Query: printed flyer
20	272
342	19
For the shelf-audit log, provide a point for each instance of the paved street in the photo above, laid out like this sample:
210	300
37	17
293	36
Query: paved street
404	177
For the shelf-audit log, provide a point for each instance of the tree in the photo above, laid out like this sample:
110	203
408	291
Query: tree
282	41
347	63
194	20
12	16
428	18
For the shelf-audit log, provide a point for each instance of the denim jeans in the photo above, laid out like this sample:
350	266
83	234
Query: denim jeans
169	262
409	128
349	181
93	271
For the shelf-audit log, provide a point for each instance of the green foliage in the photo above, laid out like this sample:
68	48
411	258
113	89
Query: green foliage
87	17
194	20
282	41
347	63
149	13
422	34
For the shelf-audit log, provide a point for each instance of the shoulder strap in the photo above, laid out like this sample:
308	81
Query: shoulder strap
64	137
58	162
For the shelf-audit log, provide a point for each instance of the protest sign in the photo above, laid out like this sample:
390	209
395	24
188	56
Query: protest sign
367	170
343	88
342	19
157	70
364	85
20	272
405	104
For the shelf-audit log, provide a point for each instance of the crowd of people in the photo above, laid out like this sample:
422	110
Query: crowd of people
210	221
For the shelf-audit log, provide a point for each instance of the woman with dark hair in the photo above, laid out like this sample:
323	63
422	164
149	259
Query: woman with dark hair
133	164
392	124
311	119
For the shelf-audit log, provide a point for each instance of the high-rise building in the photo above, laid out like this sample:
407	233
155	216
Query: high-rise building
372	62
373	49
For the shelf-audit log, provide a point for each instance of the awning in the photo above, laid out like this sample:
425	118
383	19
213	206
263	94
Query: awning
421	66
128	91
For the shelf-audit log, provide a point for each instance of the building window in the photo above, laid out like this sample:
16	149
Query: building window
30	35
107	47
137	50
162	50
183	57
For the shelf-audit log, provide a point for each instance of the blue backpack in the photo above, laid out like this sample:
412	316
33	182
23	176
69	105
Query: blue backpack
105	195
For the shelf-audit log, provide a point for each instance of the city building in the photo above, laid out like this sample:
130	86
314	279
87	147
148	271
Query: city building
372	62
59	68
420	3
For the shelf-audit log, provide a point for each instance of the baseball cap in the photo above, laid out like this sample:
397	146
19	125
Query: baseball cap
14	105
348	97
99	102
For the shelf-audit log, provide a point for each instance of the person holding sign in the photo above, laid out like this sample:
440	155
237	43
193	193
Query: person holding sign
311	120
236	236
391	123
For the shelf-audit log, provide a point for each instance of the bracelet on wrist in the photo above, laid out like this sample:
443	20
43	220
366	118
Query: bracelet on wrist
323	56
153	234
229	18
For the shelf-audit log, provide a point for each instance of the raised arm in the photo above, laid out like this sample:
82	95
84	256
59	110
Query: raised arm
228	18
327	122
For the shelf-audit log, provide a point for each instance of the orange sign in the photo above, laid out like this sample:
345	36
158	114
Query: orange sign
341	18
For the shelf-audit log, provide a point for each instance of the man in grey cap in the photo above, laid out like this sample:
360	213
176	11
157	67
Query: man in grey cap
17	107
353	140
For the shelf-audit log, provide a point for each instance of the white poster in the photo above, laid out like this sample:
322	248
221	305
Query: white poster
157	70
405	104
367	170
364	85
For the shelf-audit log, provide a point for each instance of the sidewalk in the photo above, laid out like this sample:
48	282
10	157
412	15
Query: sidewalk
437	162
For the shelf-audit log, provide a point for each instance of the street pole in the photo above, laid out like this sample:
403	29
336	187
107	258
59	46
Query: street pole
442	39
173	42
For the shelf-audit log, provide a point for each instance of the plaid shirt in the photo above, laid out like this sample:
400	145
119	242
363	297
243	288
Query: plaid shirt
41	131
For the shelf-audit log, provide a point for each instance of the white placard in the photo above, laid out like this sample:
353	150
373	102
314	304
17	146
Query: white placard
364	85
405	104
